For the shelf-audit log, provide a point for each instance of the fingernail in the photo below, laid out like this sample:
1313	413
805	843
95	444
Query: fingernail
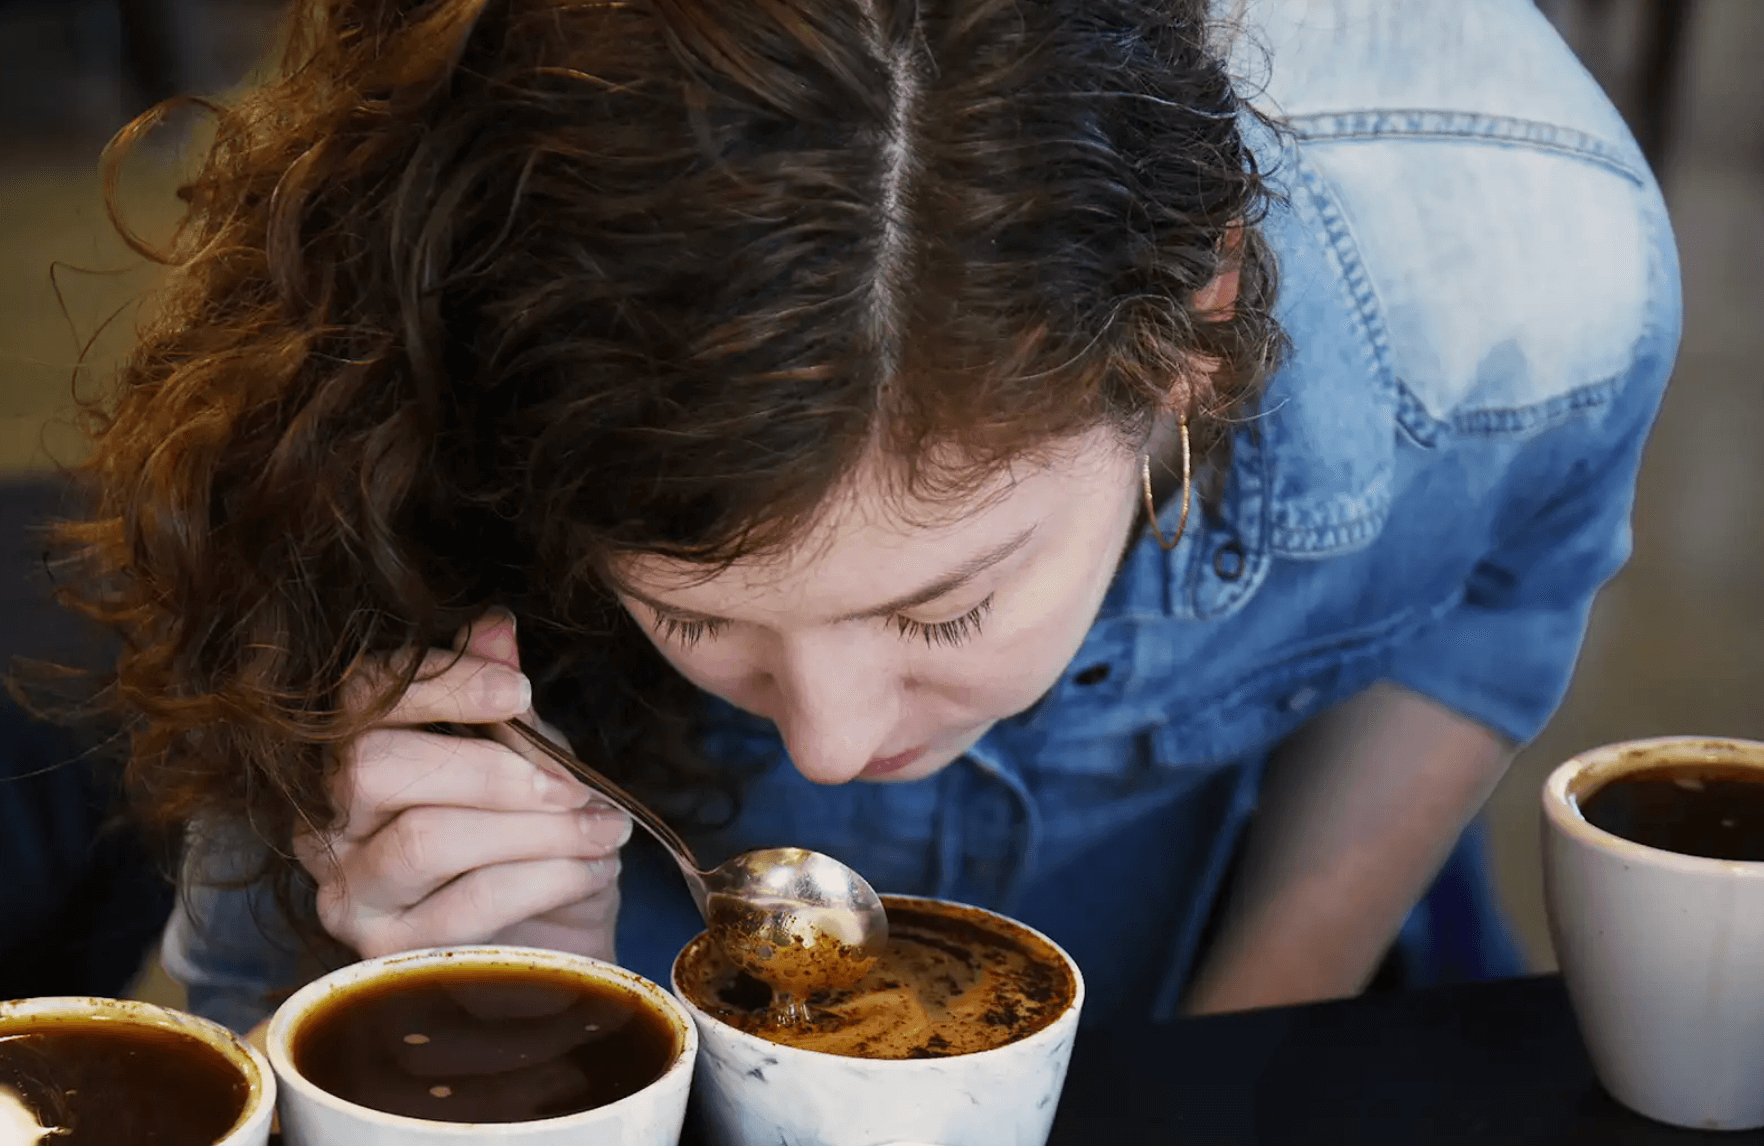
606	829
505	690
506	646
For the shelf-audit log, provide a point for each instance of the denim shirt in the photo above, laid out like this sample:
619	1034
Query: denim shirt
1480	286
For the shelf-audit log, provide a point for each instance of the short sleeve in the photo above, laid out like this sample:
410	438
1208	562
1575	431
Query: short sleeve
1504	655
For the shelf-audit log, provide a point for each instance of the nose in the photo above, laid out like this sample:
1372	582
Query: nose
840	700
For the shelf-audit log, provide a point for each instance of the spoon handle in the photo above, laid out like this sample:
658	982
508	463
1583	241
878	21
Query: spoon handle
650	822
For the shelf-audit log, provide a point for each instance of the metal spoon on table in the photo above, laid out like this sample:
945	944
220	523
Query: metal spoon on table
798	920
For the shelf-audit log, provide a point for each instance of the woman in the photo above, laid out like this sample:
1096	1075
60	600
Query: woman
880	420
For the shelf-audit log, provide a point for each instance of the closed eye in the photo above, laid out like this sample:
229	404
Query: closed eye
950	633
686	632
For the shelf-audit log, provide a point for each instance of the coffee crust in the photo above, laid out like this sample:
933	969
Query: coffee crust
952	981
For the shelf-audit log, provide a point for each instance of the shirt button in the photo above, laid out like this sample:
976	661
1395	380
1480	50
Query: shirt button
1301	699
1228	561
1095	674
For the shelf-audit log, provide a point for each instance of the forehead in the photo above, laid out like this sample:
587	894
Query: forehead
873	542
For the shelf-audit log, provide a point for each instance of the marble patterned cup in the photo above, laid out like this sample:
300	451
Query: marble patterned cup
311	1116
1662	953
752	1092
253	1125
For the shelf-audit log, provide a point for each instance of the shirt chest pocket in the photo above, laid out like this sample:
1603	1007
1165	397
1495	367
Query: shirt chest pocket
1191	701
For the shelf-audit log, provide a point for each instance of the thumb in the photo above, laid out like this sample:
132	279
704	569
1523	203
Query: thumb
491	637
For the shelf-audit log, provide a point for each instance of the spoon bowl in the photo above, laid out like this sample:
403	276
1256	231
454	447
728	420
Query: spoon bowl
798	920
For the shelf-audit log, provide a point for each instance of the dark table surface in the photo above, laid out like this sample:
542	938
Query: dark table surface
1488	1063
1497	1062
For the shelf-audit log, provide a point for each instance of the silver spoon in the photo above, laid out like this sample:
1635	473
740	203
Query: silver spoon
798	920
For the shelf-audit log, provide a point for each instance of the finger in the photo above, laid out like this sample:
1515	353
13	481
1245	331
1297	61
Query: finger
481	903
424	848
319	855
492	638
450	687
586	927
391	770
538	760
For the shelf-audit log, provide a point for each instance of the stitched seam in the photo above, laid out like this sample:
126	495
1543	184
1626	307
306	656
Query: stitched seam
1323	540
1345	253
1523	419
1463	126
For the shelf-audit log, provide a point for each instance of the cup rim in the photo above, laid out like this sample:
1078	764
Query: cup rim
302	1002
1054	1030
1584	772
260	1078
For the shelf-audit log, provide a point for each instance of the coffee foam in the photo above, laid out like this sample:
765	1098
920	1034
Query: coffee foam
952	981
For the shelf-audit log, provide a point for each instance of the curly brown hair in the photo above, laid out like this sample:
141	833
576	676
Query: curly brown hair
474	296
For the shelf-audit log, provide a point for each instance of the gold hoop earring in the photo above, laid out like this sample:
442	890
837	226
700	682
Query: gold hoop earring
1151	507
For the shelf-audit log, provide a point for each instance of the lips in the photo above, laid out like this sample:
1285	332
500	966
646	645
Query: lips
884	765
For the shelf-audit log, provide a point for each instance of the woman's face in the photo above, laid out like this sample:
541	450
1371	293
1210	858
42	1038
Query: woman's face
883	649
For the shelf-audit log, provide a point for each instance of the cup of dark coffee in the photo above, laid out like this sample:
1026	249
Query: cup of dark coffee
482	1044
113	1072
1654	879
959	1036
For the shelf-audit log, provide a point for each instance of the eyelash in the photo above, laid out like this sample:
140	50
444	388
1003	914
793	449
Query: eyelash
949	633
686	633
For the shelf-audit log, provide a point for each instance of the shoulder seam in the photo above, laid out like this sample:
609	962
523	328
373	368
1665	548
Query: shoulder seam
1469	127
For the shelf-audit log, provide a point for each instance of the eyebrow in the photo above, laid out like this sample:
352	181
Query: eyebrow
948	583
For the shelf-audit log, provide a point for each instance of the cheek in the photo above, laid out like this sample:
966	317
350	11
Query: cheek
1019	658
717	666
1036	632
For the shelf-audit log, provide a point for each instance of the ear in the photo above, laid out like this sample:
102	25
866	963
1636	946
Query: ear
1217	301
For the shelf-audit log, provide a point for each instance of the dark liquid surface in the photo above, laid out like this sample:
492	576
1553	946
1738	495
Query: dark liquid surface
120	1084
1695	809
952	981
484	1044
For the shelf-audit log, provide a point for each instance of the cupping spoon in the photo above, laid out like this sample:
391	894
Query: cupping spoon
798	920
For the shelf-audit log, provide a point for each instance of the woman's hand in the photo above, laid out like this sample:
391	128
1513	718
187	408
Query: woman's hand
447	839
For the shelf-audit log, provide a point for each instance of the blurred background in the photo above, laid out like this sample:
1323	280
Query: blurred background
1676	644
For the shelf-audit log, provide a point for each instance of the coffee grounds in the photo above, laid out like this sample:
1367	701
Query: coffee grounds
952	981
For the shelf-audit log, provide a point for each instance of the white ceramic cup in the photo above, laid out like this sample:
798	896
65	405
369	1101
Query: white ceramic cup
253	1125
312	1117
1663	953
752	1092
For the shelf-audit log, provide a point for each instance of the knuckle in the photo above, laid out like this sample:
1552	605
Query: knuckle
466	919
357	693
354	782
316	853
336	914
396	765
509	781
370	686
407	850
382	937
